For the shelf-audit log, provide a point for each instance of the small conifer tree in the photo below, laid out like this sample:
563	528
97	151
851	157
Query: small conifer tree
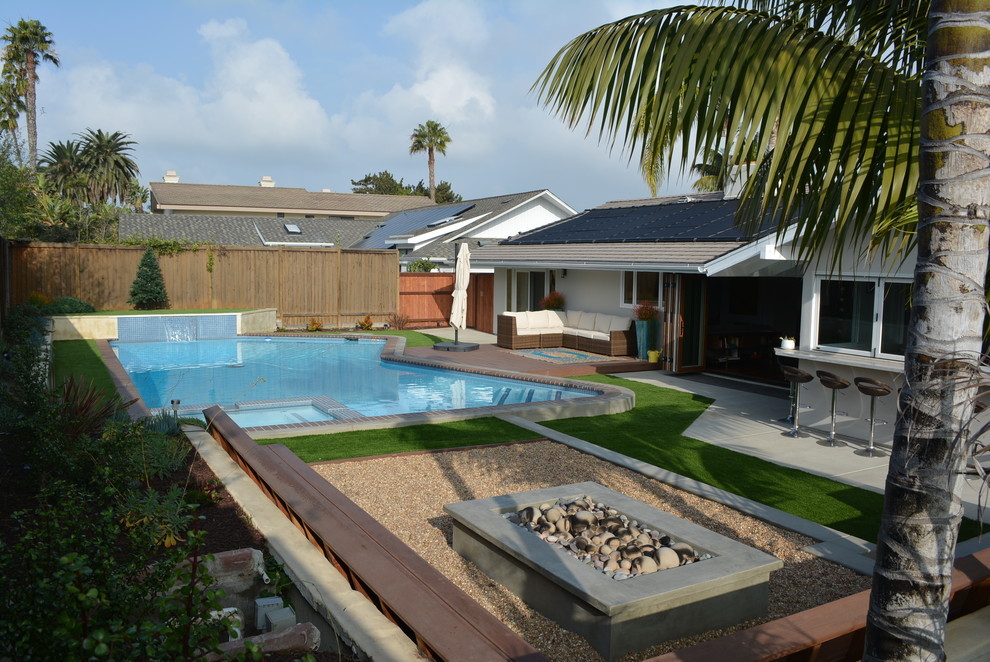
148	289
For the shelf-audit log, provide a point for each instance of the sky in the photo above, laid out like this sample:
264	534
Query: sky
316	93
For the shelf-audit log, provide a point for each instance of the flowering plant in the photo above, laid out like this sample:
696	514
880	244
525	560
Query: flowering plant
211	488
645	311
552	301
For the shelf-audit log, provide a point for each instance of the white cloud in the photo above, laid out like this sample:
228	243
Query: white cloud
253	105
445	36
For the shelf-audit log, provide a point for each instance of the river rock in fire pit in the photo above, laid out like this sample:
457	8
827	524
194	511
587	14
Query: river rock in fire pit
604	538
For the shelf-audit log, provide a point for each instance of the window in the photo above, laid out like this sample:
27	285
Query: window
868	316
640	286
531	287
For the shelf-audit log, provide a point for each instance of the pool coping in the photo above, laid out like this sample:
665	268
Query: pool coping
610	399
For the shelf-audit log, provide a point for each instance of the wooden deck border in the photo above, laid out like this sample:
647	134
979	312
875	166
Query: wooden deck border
445	622
833	632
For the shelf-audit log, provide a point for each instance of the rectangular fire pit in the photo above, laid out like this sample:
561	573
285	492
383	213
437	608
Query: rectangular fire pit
616	617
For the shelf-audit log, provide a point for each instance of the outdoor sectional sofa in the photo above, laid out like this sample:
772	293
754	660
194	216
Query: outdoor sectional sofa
599	333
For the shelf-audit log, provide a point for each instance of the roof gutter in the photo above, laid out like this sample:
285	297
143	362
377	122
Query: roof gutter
591	266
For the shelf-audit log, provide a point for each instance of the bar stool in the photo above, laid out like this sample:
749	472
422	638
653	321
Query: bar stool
796	377
874	389
835	384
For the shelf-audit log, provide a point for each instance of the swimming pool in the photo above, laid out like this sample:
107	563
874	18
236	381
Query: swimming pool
284	381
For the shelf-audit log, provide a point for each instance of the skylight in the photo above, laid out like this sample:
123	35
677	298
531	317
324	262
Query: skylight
292	228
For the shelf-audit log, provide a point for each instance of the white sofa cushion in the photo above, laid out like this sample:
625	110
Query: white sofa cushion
603	322
584	321
557	318
544	319
620	323
594	335
606	323
520	319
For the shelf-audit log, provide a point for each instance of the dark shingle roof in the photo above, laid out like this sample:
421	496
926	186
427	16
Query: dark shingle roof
243	230
178	196
707	218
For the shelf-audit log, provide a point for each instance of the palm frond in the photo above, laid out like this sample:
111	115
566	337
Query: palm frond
845	120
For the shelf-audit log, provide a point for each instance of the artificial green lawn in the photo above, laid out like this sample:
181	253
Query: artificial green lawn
362	443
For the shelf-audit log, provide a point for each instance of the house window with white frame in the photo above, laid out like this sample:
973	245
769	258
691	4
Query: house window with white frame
868	316
639	286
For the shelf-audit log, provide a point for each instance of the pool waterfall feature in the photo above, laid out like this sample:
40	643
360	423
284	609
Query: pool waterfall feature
274	414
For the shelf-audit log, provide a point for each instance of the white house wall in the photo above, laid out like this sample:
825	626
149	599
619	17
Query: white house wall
529	216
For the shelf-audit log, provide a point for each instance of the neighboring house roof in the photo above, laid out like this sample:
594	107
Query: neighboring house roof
243	230
179	197
433	232
405	223
678	233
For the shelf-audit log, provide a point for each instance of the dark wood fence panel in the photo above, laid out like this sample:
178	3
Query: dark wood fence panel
426	299
335	286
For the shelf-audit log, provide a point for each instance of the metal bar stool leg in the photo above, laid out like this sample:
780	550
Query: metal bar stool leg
873	389
796	377
834	383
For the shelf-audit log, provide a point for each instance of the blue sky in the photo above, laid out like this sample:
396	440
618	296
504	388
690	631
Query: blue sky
315	94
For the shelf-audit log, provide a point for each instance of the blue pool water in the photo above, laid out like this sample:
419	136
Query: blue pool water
312	379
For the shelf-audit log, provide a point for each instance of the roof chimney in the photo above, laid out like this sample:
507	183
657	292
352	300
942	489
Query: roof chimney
267	182
170	177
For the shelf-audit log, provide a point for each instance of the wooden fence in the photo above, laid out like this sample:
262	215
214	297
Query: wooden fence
426	298
338	287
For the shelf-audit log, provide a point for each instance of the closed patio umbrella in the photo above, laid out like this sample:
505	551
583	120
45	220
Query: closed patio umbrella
462	276
458	309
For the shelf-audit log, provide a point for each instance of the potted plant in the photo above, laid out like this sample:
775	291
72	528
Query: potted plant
552	301
786	342
645	314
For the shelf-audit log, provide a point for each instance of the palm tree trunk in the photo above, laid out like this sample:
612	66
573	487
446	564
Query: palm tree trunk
433	186
30	103
922	511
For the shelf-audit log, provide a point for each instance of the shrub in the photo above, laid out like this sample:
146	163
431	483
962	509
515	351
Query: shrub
645	311
366	324
67	306
314	325
94	593
398	321
552	301
421	265
148	290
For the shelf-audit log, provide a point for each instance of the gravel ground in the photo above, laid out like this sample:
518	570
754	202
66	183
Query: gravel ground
407	494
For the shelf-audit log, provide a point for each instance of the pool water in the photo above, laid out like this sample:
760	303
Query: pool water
290	380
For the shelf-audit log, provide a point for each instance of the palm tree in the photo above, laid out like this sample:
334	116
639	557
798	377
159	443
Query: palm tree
107	163
62	166
430	137
11	107
838	86
28	44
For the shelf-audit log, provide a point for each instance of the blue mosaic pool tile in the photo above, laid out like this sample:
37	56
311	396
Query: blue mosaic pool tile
155	328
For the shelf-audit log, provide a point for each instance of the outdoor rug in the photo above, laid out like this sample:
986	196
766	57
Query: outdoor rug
554	355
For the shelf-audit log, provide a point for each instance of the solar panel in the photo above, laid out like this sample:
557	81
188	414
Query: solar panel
407	221
687	221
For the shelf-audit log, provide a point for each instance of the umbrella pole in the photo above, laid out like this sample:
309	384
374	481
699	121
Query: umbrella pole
456	341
